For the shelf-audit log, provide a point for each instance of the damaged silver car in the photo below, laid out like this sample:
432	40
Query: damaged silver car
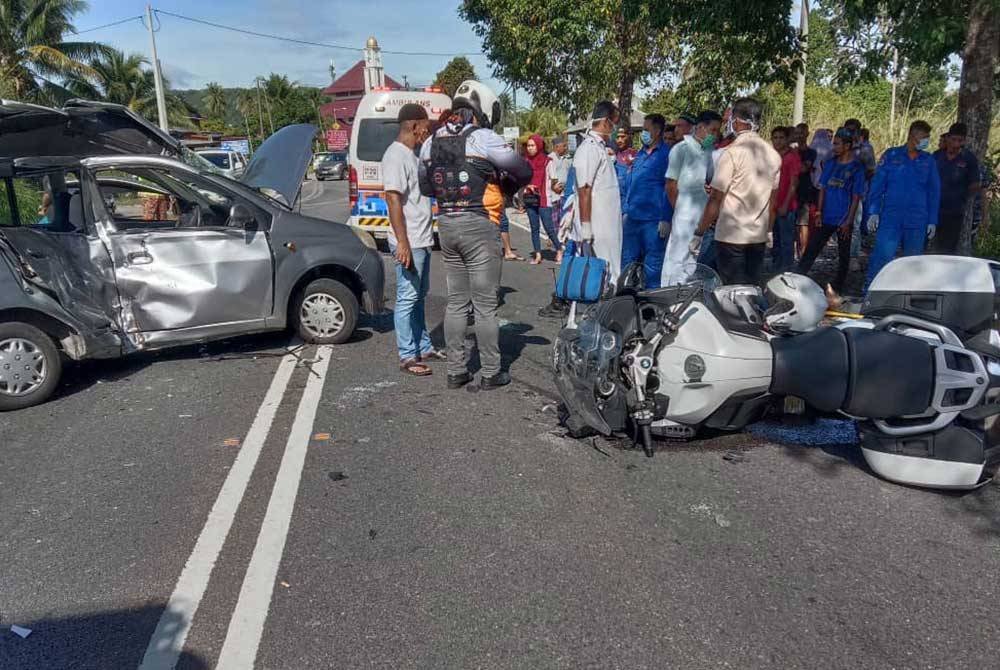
114	238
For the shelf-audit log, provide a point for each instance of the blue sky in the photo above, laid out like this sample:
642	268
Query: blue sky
193	55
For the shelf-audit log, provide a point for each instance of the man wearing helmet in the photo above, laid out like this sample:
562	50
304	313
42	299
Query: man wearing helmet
467	167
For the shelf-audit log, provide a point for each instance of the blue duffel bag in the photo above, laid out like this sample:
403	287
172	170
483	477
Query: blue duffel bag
581	277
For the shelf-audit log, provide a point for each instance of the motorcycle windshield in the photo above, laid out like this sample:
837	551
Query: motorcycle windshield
582	359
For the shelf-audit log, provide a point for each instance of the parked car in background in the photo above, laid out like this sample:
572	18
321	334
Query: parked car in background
115	238
231	163
332	166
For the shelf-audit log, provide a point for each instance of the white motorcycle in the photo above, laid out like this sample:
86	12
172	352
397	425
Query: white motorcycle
920	372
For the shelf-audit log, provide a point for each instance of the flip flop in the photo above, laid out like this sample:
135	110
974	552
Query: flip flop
412	366
513	257
434	355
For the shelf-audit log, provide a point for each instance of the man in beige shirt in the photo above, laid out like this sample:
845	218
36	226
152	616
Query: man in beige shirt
743	188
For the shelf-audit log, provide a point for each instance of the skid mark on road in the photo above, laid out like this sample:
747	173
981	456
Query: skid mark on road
175	623
247	624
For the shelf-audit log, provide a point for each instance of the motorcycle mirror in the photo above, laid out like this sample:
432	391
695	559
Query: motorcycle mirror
631	280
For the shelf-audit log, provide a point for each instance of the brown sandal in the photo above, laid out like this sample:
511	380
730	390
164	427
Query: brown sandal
412	366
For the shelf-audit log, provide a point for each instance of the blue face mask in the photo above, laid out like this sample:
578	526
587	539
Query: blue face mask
646	138
923	144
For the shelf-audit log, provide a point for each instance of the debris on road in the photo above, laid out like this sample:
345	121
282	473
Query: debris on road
814	434
285	584
20	631
734	457
337	476
372	533
321	437
231	442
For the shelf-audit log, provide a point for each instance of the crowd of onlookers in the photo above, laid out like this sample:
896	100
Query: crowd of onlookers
708	189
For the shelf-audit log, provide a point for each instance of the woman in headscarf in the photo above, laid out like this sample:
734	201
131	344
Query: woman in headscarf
536	200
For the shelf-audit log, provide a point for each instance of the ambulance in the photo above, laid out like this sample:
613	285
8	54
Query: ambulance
374	129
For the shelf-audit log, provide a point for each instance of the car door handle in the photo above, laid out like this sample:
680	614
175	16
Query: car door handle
139	258
36	254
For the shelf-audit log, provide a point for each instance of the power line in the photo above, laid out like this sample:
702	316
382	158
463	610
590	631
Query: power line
109	25
294	40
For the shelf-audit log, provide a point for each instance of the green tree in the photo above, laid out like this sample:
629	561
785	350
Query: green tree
215	100
570	53
546	121
457	70
34	56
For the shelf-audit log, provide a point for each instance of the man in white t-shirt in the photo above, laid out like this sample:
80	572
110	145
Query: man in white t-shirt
411	239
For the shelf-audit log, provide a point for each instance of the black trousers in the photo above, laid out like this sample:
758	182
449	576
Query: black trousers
818	240
948	231
740	263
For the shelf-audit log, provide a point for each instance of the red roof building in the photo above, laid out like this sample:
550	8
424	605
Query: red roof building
346	92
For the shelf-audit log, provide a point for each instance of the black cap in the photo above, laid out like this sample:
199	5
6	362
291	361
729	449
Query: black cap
959	129
605	109
411	112
707	116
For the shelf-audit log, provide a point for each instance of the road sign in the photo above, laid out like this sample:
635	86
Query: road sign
511	133
241	146
337	139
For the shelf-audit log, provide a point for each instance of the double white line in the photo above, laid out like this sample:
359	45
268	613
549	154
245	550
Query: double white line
247	623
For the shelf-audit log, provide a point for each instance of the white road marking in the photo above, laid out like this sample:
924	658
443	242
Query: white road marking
246	627
172	630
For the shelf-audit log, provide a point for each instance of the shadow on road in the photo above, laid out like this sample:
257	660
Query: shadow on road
98	640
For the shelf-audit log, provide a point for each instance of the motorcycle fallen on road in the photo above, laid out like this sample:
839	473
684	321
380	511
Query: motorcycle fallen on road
919	372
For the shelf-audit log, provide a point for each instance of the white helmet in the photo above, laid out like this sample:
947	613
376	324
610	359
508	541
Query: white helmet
796	304
481	99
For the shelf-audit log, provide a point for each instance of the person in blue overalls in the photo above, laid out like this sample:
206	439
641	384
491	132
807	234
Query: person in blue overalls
903	200
647	210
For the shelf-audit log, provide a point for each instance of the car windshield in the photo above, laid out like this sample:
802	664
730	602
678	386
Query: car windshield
330	159
219	160
374	137
198	161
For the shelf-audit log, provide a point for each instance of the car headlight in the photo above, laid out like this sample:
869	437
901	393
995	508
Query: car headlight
366	238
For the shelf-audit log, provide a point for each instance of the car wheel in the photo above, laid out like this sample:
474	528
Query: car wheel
30	366
326	312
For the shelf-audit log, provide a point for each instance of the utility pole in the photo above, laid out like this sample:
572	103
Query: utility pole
161	99
800	79
892	105
260	111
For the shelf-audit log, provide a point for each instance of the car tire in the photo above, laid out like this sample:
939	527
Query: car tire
24	346
326	312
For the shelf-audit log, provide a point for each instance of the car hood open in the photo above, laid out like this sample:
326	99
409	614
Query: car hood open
280	163
83	128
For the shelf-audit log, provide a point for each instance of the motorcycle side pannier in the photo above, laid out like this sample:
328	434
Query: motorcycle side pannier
954	291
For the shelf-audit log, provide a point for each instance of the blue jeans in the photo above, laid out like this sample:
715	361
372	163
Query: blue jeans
707	255
887	240
412	336
783	253
641	241
544	215
504	221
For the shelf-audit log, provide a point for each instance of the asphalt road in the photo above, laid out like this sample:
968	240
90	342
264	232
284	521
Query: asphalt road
407	526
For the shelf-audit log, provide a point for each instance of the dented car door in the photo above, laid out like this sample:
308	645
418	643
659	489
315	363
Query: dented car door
185	267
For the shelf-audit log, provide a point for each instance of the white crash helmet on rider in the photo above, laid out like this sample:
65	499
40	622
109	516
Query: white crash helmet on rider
481	99
796	304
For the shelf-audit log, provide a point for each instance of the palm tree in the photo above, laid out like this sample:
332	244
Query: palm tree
279	88
33	52
246	105
215	100
126	80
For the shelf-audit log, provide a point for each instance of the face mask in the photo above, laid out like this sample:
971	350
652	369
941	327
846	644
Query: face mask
708	141
646	138
729	126
923	144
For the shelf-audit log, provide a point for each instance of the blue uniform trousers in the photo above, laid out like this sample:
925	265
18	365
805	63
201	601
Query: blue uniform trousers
887	240
641	241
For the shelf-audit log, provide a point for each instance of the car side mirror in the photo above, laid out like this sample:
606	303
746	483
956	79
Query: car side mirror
240	216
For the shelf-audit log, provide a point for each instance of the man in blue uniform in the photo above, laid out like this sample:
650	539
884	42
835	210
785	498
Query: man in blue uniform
903	200
647	209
